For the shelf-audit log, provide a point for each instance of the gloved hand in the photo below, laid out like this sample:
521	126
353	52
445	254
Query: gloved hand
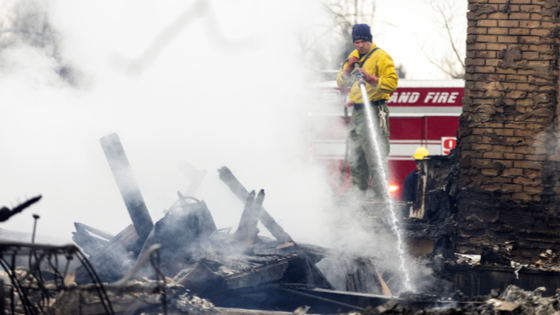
352	61
350	67
369	78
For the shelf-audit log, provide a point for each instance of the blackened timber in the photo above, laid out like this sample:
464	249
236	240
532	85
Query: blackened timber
94	231
6	213
267	220
109	259
86	241
128	187
247	232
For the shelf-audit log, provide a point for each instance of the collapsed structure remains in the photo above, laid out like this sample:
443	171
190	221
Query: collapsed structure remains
496	195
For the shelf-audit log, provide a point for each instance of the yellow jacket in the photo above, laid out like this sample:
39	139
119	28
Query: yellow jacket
379	64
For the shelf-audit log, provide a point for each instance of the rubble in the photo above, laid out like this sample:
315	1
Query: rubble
512	300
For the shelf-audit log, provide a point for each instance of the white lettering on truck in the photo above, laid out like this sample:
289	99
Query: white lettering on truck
443	97
429	97
452	97
404	97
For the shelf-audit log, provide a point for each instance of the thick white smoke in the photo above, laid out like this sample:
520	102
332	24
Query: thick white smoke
227	88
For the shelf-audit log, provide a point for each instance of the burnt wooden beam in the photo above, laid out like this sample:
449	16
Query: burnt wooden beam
89	244
247	231
128	187
94	231
109	259
267	220
6	213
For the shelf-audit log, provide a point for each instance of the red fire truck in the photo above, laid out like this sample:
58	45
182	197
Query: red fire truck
422	113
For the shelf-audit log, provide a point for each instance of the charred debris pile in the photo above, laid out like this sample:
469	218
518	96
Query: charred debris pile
511	300
183	263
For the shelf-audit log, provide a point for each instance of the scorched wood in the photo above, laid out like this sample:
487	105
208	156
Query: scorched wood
267	220
128	187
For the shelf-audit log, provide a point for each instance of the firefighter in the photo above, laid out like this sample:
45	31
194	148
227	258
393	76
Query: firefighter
381	79
410	186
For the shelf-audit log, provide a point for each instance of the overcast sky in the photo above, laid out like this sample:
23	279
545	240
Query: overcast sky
225	86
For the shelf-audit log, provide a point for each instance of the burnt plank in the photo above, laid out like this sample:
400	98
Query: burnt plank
268	221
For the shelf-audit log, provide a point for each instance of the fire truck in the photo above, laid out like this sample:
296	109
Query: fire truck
422	113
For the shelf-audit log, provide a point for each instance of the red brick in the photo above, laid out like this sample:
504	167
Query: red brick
514	126
506	163
522	196
524	133
528	164
504	132
530	8
487	23
492	187
497	30
492	62
506	71
512	172
487	38
522	180
489	172
502	148
513	156
482	163
531	173
492	155
540	32
485	54
530	55
541	48
535	16
474	62
518	31
480	131
508	39
533	189
529	24
476	46
477	30
511	188
497	16
494	46
537	157
523	150
517	78
524	87
516	94
520	16
506	23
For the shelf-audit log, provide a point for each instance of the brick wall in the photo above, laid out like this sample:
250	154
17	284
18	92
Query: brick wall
509	155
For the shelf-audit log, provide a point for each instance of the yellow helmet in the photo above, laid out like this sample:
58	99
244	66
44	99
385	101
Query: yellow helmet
420	153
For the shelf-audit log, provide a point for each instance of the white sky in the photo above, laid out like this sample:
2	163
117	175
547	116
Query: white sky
239	102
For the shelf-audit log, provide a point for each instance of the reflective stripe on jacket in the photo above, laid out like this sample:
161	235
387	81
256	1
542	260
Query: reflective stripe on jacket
379	64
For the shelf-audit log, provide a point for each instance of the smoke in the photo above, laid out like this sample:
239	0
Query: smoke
224	83
227	88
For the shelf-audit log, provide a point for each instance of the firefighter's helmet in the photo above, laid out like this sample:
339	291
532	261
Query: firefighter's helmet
420	153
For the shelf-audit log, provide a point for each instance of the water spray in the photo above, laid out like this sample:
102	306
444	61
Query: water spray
372	138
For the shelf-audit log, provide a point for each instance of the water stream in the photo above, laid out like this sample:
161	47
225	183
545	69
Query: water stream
373	129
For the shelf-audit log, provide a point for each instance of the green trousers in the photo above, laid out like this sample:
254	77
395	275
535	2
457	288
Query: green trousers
363	159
